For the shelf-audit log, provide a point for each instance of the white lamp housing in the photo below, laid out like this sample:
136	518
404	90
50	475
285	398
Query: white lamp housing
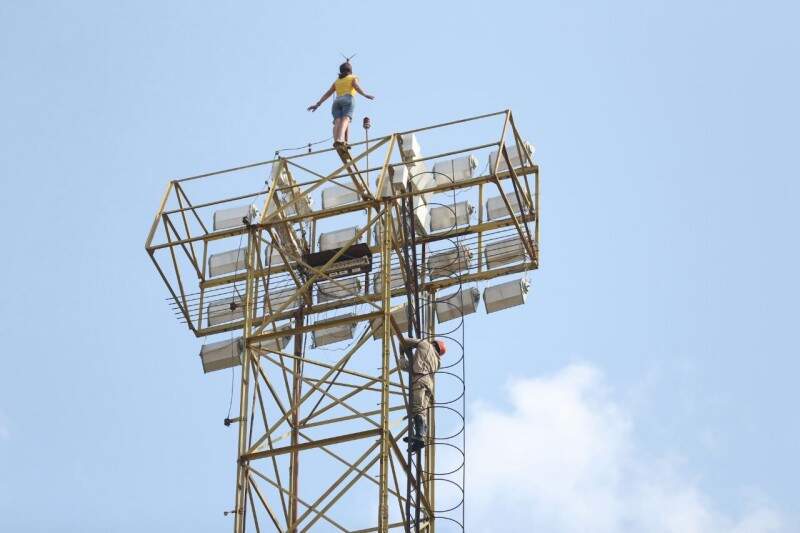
409	146
272	257
336	239
421	180
220	311
450	216
400	316
221	355
450	262
379	233
278	174
505	295
458	304
233	217
302	205
337	196
226	262
496	207
455	170
277	297
513	156
335	333
346	288
504	251
422	214
396	279
275	344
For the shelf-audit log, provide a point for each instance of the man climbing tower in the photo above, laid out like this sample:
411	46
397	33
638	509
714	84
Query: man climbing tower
425	361
345	88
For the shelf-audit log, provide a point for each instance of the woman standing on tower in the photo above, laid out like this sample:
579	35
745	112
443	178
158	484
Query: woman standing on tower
345	88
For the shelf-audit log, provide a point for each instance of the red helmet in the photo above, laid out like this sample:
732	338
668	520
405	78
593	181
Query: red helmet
441	348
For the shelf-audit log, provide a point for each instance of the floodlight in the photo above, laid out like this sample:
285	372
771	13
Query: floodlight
458	304
221	355
409	146
450	216
505	295
275	344
225	310
279	174
226	262
336	239
233	217
396	279
277	297
496	207
513	156
335	333
346	288
337	196
504	251
455	170
449	262
400	316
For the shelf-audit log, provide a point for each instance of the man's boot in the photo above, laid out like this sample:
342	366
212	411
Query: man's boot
420	432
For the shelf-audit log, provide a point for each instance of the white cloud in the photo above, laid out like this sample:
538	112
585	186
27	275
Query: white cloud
563	459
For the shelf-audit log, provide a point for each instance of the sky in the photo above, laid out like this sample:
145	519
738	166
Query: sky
649	384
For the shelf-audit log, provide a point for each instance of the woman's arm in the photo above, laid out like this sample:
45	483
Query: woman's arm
324	97
358	89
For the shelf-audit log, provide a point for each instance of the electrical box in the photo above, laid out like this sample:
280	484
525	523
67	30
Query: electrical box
233	217
221	355
458	304
450	262
504	251
227	262
513	156
505	295
455	170
450	216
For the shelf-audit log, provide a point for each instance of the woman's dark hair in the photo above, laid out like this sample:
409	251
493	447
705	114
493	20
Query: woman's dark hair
345	69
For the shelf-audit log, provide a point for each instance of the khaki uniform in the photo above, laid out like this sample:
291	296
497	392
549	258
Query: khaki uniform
425	363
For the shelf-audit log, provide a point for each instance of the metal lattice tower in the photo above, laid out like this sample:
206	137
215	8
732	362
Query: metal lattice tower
308	304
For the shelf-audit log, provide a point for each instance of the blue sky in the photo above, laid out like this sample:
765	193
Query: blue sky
668	289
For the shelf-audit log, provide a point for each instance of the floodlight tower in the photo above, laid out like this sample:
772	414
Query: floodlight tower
296	298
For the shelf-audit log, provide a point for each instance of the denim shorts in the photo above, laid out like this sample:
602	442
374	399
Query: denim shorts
343	106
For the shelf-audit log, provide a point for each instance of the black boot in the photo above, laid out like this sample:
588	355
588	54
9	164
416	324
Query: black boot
420	432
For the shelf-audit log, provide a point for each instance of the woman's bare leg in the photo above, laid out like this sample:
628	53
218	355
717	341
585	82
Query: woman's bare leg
337	130
345	128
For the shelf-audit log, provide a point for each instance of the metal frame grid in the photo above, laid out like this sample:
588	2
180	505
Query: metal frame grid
335	409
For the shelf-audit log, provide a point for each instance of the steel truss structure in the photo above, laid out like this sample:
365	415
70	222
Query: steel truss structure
309	305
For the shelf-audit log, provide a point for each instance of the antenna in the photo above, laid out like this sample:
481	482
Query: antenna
310	285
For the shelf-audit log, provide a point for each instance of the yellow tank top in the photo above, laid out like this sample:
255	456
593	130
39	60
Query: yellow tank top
345	85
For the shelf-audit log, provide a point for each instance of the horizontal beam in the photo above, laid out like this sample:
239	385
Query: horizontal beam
310	445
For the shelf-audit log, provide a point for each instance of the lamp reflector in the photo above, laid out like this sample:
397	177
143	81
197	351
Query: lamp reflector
504	251
337	239
450	262
455	170
458	304
233	217
496	207
225	310
409	146
513	156
347	288
221	355
335	333
450	216
226	262
505	295
337	196
400	316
